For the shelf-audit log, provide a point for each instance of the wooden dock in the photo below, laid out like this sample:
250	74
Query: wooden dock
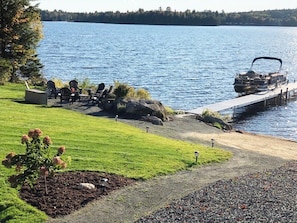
284	91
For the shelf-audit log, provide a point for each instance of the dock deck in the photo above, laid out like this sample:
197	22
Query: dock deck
245	100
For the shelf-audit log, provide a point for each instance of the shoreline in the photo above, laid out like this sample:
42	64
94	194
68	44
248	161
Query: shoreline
187	127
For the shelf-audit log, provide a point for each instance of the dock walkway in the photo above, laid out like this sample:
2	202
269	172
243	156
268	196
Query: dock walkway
246	100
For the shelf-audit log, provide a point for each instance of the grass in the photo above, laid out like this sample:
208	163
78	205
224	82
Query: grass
93	143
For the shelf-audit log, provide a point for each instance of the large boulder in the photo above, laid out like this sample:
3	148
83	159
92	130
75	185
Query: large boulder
145	107
213	120
136	108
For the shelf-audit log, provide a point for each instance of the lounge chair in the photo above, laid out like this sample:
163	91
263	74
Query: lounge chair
65	94
73	85
105	96
107	92
95	97
51	89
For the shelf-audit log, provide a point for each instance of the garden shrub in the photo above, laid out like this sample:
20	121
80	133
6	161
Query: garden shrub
123	90
36	161
142	94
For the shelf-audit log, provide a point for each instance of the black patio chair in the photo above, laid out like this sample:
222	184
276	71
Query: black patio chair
94	97
51	89
73	85
65	95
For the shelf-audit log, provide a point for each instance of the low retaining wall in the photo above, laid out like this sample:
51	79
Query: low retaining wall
36	96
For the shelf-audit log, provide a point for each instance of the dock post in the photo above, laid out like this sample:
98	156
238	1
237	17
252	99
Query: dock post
280	97
287	91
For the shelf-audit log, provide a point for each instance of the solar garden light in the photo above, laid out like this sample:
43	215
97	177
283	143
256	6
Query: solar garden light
196	155
212	142
147	129
116	118
104	181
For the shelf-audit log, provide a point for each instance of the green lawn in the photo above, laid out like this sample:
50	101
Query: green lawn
93	143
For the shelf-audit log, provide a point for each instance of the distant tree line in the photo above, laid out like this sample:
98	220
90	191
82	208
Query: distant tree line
284	17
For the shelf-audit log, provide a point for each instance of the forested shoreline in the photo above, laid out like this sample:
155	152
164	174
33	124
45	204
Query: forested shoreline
282	17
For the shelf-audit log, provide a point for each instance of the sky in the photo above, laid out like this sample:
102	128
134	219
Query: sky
178	5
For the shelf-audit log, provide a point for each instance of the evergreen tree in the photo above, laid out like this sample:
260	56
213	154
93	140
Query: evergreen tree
20	32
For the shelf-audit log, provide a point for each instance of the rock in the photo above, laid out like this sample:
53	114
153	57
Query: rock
136	108
108	105
153	119
142	107
212	120
87	186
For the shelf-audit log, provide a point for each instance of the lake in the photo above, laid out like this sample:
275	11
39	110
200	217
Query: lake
184	67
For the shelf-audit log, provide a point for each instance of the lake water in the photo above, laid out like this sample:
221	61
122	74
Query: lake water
183	67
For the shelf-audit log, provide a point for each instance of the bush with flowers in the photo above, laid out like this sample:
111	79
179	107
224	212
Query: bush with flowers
37	160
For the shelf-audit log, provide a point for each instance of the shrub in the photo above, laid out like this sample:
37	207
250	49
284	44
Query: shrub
142	94
131	93
58	83
169	110
121	90
36	161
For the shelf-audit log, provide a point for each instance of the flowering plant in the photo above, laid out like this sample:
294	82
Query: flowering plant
37	160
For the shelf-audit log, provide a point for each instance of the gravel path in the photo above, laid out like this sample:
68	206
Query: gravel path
269	196
238	190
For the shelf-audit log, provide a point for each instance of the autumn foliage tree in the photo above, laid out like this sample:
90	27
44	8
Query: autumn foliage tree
20	32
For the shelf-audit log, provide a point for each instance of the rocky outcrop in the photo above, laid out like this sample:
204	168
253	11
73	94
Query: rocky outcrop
153	119
213	120
144	109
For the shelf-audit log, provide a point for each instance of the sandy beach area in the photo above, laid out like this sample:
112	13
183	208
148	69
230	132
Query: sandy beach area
266	145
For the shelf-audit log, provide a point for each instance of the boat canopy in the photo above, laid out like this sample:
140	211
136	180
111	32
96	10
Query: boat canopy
268	58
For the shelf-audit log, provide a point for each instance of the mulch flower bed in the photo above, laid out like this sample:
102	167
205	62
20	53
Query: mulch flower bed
65	195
